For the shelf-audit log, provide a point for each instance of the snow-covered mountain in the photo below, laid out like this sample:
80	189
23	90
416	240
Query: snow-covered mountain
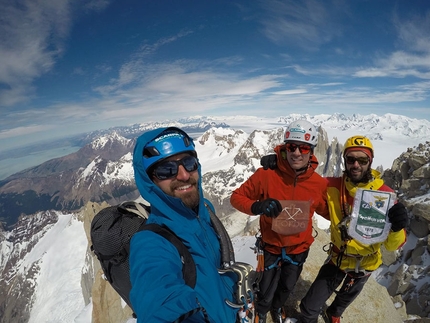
32	262
100	171
390	134
198	124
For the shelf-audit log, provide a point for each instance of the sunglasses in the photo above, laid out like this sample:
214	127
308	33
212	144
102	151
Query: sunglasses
303	148
169	169
361	160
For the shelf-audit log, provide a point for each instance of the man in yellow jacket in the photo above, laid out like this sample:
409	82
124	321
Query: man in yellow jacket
349	260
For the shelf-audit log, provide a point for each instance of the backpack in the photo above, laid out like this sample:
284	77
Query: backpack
111	232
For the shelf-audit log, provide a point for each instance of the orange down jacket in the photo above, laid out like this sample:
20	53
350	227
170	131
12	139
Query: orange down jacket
283	184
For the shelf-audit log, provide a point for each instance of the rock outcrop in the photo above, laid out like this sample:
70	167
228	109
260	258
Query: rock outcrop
410	174
108	307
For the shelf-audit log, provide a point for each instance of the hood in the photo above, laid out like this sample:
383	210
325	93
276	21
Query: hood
166	208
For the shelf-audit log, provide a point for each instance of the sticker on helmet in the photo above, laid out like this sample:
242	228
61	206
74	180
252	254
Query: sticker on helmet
168	136
300	130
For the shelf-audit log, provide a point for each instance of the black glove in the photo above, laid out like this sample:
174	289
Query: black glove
268	207
398	216
269	161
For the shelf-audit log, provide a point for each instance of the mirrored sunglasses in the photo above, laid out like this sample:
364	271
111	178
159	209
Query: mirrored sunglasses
169	169
361	160
303	148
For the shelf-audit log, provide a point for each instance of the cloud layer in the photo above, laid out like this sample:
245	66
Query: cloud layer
74	65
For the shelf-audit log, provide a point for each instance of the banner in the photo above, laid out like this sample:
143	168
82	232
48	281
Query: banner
293	219
369	222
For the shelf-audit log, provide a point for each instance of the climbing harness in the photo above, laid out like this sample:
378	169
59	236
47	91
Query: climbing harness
281	259
259	251
353	276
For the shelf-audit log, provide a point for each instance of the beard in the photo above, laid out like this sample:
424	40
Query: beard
365	177
190	199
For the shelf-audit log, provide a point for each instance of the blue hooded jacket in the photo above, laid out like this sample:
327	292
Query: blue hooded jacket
159	292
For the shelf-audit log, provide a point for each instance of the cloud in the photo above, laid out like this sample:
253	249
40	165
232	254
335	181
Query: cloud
152	83
414	32
25	130
32	34
145	92
179	88
323	69
307	24
148	49
134	70
414	58
400	65
97	5
78	71
149	91
290	92
32	39
311	24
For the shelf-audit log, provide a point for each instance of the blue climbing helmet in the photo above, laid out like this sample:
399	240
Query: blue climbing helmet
170	142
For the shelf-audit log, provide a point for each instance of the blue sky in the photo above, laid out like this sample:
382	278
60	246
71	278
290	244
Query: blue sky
69	66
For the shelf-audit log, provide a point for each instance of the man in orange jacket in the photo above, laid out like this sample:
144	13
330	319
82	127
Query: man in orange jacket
291	188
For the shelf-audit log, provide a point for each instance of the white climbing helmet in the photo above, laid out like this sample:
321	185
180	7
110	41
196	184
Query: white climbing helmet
303	131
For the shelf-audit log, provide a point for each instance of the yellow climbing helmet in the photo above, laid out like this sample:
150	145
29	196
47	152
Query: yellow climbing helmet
358	142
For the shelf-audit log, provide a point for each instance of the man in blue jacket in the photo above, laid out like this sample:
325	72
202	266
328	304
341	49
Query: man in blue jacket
168	176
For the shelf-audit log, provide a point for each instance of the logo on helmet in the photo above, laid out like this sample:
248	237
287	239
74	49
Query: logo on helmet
168	136
298	130
167	146
359	141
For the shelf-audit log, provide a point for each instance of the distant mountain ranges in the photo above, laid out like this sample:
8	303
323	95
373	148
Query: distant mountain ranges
59	184
190	125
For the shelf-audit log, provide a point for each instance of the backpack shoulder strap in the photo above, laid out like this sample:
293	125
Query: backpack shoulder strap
189	267
227	249
139	209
